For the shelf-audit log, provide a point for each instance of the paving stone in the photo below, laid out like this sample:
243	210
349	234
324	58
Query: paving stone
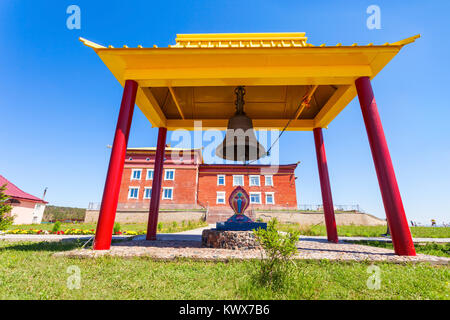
309	249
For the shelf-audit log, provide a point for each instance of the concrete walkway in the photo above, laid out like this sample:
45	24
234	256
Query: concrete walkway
381	239
190	235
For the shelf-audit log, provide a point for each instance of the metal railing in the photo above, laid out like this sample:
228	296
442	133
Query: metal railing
302	207
319	207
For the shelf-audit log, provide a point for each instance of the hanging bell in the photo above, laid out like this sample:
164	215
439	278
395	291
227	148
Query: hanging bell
240	143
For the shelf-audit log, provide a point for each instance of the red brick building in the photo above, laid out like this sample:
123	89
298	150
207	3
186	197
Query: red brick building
188	183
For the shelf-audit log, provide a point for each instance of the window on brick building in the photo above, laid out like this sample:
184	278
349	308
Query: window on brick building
136	174
268	180
238	180
147	193
169	174
221	180
254	181
149	174
133	193
255	197
167	193
220	197
270	199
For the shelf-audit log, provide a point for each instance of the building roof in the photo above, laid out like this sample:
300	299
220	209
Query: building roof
14	192
286	78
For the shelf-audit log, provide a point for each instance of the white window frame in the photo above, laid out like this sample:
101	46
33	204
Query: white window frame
132	174
129	192
145	191
150	170
238	175
265	180
165	174
273	197
164	193
222	195
250	180
255	193
218	178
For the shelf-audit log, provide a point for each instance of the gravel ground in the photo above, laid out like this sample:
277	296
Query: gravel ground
315	249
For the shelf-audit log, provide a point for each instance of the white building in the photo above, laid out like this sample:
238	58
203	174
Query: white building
26	208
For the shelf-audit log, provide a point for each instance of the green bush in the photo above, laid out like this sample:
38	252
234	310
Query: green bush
56	226
160	226
275	268
175	224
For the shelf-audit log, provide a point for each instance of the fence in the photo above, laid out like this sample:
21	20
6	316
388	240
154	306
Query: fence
303	207
319	207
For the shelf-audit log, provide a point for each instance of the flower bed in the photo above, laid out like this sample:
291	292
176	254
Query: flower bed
68	232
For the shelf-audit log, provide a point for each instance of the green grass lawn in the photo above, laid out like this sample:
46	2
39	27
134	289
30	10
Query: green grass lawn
28	271
366	231
434	249
163	227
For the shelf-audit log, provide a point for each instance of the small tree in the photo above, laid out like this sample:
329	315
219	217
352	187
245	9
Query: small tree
274	269
116	228
5	208
56	226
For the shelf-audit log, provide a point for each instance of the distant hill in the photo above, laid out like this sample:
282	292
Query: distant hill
53	213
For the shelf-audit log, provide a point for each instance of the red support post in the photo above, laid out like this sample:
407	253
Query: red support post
393	205
327	199
156	185
108	207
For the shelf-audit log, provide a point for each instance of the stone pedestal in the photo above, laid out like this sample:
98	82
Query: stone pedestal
235	240
240	222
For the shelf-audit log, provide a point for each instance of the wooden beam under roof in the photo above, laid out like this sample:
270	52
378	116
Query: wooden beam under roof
175	100
150	107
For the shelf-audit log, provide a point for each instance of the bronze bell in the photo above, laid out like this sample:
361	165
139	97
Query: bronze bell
240	143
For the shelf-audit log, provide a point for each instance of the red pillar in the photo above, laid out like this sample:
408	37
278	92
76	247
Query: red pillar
156	185
108	207
395	213
325	187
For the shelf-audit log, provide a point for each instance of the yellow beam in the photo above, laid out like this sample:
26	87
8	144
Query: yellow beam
221	124
342	96
309	74
293	81
174	97
150	107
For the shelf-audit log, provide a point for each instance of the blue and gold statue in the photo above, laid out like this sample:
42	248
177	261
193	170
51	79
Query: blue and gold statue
239	201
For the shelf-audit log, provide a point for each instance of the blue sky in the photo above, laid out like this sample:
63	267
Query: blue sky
59	103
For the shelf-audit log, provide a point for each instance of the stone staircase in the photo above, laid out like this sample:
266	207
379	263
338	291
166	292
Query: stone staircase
214	215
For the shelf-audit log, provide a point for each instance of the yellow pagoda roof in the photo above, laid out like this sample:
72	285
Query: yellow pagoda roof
286	78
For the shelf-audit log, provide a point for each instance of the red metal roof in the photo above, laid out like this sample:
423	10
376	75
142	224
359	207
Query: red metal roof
14	192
